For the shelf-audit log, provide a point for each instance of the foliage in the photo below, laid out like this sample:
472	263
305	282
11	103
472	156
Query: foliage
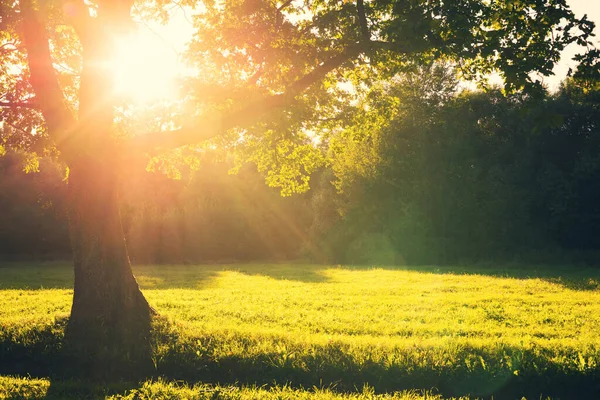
32	223
429	175
421	173
212	216
207	215
272	70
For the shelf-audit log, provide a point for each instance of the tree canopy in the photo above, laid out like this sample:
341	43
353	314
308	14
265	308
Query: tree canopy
253	58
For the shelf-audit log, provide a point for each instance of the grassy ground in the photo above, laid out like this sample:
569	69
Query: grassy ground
20	388
458	331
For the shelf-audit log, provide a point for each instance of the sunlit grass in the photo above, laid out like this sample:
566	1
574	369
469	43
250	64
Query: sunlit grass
461	330
14	388
377	306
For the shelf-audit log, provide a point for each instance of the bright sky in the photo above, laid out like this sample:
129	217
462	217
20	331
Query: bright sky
168	41
579	7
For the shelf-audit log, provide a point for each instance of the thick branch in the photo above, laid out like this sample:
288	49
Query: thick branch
246	116
362	20
43	79
78	16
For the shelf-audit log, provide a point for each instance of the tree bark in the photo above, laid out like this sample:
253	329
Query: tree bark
108	334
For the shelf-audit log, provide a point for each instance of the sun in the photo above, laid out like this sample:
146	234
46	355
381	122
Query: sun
145	69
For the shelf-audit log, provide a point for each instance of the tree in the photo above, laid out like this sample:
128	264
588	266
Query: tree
31	223
269	74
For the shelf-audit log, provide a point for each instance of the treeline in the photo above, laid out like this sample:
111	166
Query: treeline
32	211
446	177
209	216
417	172
212	216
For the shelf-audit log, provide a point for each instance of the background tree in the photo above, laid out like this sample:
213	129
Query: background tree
266	76
32	223
443	176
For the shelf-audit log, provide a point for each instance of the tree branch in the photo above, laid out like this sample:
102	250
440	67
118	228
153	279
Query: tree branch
213	126
284	5
9	47
362	20
256	76
78	16
8	44
43	79
17	128
19	104
390	46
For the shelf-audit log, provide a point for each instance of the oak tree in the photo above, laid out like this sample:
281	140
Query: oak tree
270	73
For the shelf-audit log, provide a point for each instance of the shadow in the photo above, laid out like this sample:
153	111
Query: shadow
198	276
18	388
334	366
35	276
41	276
162	277
54	372
35	352
579	278
306	273
583	278
72	389
59	275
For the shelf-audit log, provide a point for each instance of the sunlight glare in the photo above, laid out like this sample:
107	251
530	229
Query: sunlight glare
145	68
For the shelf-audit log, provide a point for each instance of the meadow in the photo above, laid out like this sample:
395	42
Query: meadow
325	332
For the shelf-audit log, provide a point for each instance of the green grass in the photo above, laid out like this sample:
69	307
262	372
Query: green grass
507	332
20	388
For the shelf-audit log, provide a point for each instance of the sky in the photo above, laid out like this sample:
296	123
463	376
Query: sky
170	39
579	7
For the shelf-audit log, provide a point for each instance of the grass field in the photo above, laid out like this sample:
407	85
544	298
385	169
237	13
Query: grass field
297	331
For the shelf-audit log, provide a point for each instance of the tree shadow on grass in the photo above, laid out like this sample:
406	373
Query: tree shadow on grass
307	273
198	276
332	365
22	388
157	277
72	389
579	278
34	276
33	352
60	276
160	277
53	372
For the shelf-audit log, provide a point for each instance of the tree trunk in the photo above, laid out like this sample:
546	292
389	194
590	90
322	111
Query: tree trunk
109	329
